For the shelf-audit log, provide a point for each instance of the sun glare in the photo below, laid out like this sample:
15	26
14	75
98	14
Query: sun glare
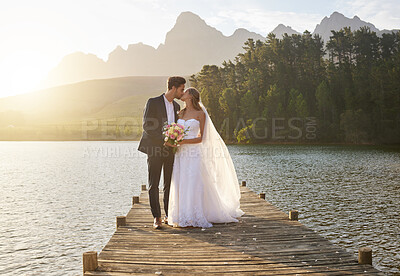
30	48
21	72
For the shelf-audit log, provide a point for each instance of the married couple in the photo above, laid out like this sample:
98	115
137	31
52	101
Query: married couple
200	182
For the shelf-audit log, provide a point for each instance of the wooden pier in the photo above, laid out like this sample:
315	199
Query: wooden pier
264	242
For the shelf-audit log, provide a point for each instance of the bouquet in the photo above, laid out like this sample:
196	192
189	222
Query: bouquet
174	133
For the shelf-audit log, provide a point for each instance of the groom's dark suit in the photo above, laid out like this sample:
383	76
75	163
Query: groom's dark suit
158	155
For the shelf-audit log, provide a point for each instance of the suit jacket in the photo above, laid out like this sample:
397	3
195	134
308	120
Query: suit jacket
154	117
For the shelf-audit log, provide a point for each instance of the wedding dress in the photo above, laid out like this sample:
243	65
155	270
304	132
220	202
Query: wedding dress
204	186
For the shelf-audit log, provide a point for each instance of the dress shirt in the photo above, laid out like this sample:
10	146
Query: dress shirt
169	106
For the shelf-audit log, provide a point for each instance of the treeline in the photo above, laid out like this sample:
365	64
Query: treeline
295	89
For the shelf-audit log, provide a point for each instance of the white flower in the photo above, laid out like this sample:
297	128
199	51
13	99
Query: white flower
166	139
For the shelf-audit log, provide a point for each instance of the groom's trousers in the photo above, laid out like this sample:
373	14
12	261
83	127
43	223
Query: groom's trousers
154	164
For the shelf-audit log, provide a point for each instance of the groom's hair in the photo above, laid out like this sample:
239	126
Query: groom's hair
175	81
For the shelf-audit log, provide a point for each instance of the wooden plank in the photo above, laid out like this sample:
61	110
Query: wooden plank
263	242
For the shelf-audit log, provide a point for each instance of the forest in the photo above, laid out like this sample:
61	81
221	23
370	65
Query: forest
297	89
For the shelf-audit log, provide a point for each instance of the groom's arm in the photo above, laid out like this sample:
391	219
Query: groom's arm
150	122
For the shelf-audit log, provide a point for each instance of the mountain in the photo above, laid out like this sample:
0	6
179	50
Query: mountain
77	67
281	29
337	21
103	109
189	45
79	101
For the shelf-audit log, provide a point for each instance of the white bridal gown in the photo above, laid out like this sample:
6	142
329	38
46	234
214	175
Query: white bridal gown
193	200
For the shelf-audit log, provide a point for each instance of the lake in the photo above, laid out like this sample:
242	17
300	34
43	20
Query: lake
60	199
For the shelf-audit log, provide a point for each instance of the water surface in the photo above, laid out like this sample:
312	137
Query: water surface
60	199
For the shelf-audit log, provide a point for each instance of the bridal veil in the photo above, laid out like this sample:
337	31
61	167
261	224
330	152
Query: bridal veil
219	174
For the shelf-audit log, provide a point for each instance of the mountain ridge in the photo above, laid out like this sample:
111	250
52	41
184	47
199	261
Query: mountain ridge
191	41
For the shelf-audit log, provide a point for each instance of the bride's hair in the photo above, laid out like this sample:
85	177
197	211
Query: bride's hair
195	99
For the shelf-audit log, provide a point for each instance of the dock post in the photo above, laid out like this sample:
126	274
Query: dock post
294	215
243	183
262	195
144	188
135	199
121	221
365	255
89	261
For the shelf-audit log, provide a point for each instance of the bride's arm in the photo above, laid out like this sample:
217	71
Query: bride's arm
200	138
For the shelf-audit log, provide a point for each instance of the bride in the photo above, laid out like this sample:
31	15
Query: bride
204	186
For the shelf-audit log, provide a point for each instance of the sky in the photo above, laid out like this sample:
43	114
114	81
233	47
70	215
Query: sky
36	35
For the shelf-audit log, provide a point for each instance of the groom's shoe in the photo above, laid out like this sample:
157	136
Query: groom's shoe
157	223
166	220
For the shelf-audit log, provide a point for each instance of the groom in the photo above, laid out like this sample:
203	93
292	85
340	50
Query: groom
157	111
